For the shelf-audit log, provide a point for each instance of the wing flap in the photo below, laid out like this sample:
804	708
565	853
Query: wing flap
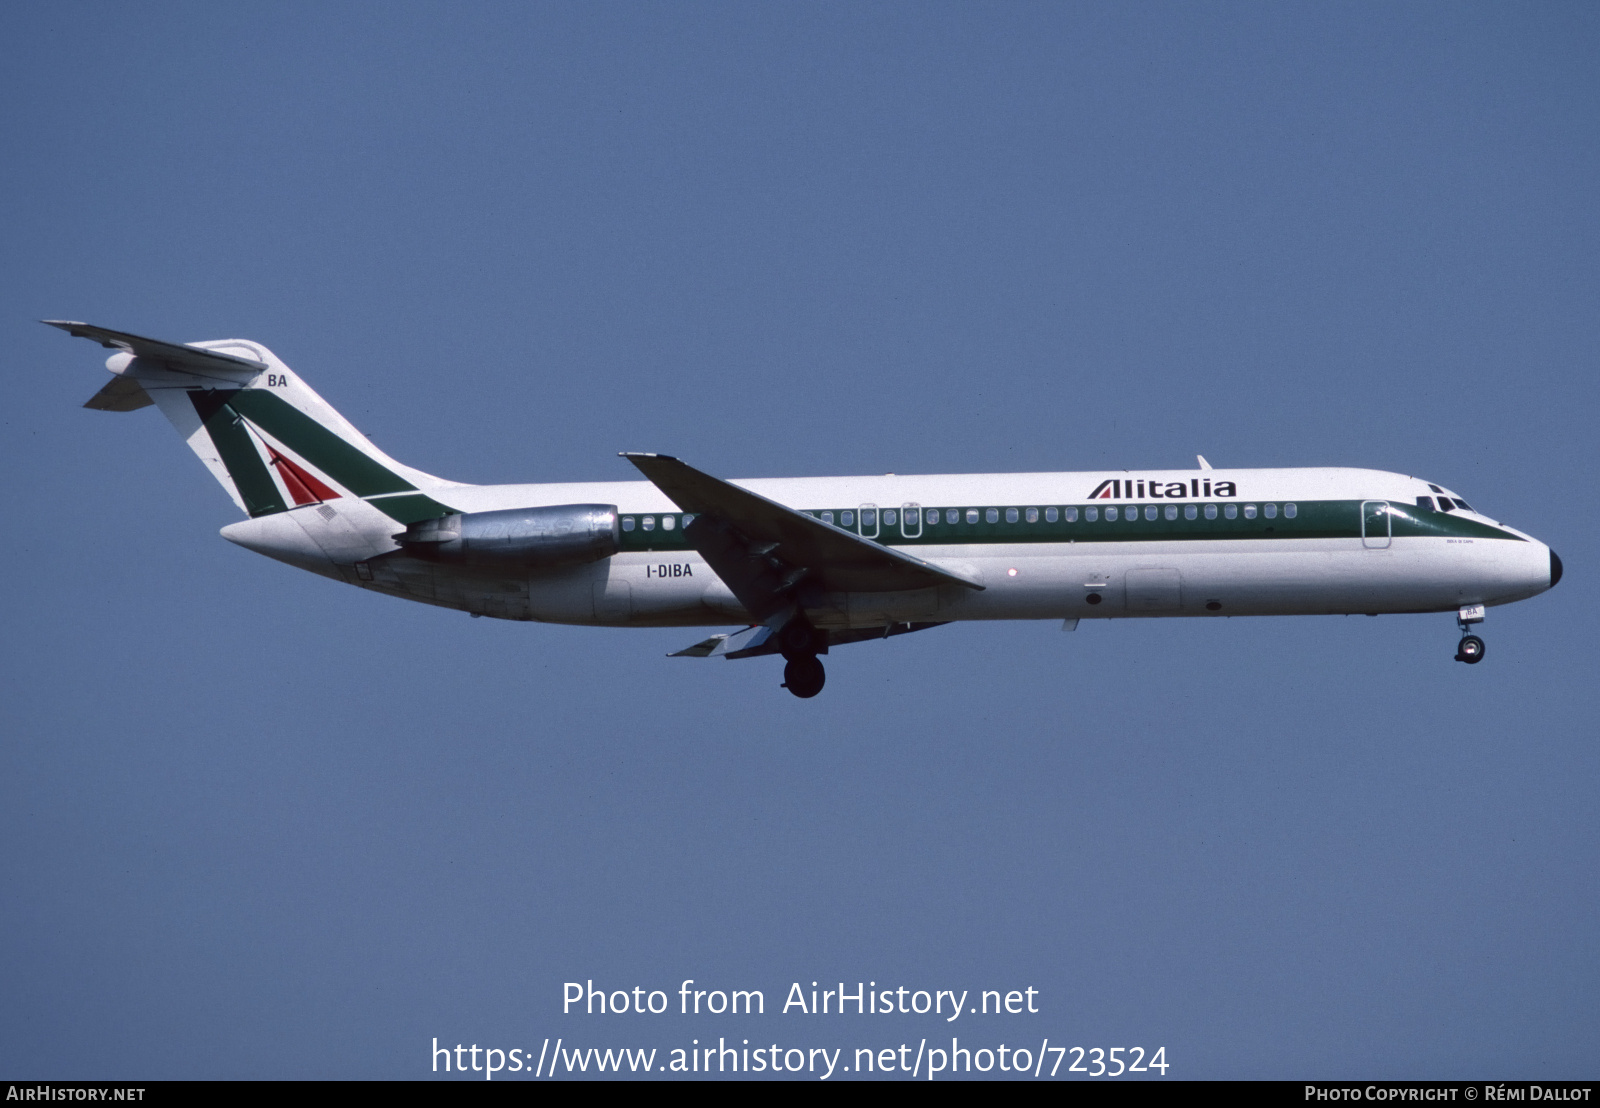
702	649
751	641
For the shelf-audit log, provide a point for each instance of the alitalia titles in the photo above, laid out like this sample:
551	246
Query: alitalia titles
1131	488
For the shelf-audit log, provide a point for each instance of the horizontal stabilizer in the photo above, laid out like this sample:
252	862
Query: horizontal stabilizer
184	359
830	556
121	394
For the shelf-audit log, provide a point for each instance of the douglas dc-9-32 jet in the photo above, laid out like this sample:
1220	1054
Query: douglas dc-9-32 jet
801	565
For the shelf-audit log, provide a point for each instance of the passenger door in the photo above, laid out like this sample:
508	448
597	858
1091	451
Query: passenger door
867	521
1376	531
911	520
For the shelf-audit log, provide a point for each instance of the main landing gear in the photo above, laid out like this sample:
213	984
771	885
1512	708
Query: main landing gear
1470	649
803	674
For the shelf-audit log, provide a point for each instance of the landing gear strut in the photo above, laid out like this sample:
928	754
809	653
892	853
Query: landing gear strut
1470	649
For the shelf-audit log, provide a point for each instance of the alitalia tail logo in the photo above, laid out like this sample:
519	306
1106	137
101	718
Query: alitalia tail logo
304	487
1128	488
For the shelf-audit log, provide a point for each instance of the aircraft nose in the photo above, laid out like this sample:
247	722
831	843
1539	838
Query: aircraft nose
1555	569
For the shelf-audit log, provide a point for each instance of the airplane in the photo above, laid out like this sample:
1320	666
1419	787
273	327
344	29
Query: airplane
801	565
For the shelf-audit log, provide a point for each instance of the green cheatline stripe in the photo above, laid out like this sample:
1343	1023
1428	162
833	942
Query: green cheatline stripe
238	453
316	444
1326	519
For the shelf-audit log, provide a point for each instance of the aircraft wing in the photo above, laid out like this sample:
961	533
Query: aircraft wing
751	642
189	359
764	550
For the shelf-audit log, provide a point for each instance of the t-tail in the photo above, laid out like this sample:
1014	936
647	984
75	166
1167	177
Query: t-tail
265	435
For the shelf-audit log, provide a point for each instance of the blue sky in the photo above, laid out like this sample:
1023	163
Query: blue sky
259	824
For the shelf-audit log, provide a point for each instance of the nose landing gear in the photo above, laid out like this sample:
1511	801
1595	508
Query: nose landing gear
1470	649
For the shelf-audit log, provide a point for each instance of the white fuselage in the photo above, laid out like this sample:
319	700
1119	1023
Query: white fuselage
1182	556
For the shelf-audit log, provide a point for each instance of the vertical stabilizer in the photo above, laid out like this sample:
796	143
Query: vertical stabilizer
266	435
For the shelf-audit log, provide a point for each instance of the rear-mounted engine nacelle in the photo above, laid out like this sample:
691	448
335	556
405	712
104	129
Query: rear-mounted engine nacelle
532	538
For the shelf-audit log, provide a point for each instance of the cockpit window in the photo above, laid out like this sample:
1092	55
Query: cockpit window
1464	506
1425	502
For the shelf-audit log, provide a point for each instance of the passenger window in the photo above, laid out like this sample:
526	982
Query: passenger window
991	515
952	515
1111	513
1033	515
1249	511
972	515
827	517
888	517
649	523
847	518
1051	515
1151	511
1090	514
1072	514
1171	512
1011	515
1190	511
669	522
869	519
1211	511
627	523
1270	511
688	518
933	515
1230	510
1290	511
1425	503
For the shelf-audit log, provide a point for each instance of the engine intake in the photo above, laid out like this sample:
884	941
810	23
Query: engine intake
531	538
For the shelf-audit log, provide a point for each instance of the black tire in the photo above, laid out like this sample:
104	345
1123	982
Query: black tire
1470	650
804	677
